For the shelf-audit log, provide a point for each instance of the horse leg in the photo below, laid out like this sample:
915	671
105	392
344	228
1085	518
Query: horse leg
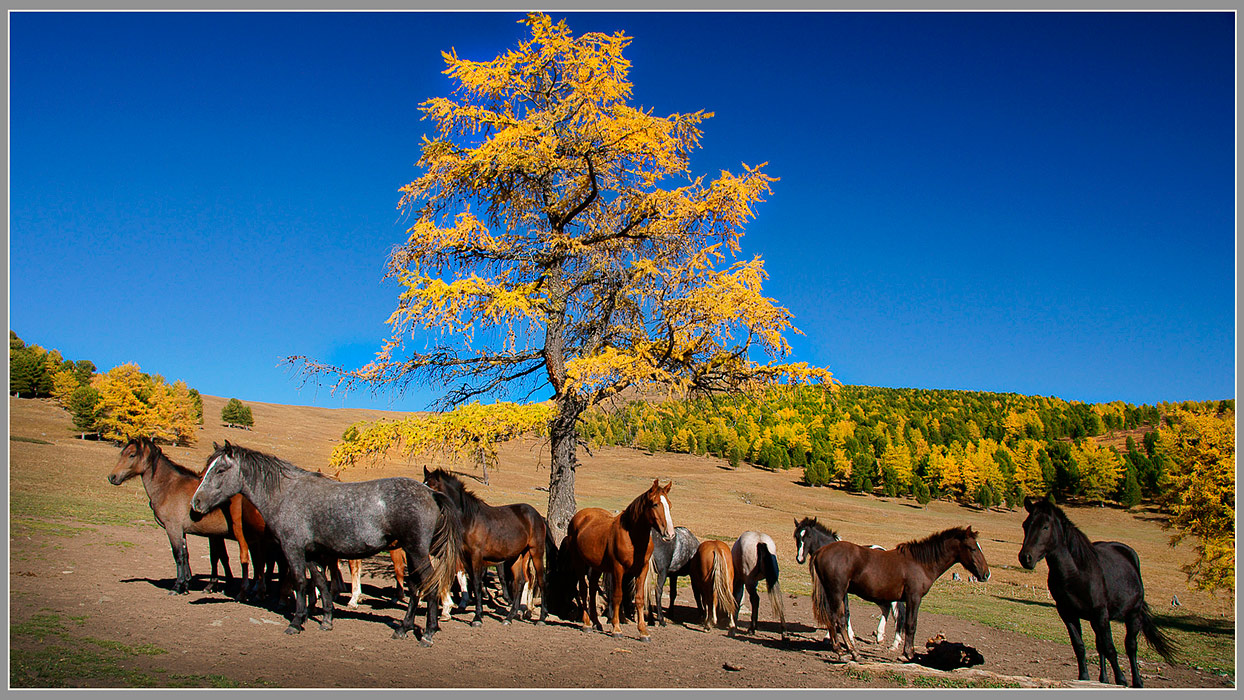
640	603
1129	645
850	632
181	559
1105	649
886	609
1072	621
518	582
296	567
356	583
477	588
319	577
593	590
412	591
899	610
538	583
236	524
909	629
615	596
218	555
398	556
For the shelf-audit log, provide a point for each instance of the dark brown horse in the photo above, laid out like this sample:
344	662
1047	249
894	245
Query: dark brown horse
905	573
621	545
512	535
169	488
712	578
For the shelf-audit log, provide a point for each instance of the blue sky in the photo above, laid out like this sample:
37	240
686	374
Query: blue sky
1039	203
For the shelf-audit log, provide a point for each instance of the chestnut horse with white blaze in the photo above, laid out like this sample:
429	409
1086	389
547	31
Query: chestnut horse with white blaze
597	542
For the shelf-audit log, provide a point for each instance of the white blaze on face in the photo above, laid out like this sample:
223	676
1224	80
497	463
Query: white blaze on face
203	480
669	519
799	554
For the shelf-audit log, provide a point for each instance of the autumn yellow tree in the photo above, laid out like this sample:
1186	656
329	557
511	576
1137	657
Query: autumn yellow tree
134	404
1100	469
64	383
559	241
1200	453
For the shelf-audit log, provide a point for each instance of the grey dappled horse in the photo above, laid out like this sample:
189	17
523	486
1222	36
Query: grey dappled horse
318	520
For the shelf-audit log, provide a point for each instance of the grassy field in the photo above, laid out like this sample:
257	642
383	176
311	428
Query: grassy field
57	488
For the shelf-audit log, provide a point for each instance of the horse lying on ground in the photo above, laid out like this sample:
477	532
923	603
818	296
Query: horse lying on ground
169	487
1094	581
318	521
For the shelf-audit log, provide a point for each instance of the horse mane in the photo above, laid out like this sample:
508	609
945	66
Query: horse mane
269	470
466	500
931	549
158	456
1076	541
812	524
633	512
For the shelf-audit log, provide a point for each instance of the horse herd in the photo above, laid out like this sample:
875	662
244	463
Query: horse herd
436	531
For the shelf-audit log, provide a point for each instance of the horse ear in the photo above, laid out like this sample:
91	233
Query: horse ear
426	473
1029	503
796	520
668	486
215	447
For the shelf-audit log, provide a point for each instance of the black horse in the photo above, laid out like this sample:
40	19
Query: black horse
319	520
1098	582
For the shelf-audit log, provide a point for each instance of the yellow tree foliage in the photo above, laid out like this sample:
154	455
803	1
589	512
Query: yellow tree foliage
1100	469
1200	449
897	457
560	239
133	404
1028	474
473	432
64	383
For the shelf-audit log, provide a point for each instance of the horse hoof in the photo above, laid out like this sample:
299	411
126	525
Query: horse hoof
645	638
477	623
292	630
505	623
326	626
425	642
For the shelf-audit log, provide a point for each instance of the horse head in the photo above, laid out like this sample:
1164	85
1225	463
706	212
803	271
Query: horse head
1041	531
657	509
220	481
810	535
972	557
135	458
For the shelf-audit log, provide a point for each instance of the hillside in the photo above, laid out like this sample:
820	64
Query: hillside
63	482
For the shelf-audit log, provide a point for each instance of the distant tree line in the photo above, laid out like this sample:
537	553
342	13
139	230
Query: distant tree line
972	447
117	405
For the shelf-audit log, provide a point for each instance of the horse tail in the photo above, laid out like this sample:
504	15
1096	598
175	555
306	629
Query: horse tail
722	585
650	582
820	605
550	561
1161	643
768	562
446	548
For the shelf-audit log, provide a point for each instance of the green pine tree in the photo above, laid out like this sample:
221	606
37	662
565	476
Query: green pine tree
84	406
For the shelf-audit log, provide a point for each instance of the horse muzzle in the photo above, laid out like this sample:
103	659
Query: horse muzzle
1026	561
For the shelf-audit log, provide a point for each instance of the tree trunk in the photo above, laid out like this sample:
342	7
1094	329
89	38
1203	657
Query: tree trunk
563	437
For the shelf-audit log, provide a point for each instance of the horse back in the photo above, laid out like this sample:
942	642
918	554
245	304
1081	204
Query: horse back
1120	567
358	519
872	574
587	535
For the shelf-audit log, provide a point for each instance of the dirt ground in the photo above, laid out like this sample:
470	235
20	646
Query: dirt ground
121	592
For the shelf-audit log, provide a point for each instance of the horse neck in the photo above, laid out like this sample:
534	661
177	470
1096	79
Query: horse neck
266	502
1066	558
815	539
640	530
936	567
161	476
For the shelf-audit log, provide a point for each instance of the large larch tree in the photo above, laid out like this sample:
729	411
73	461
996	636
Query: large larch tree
559	242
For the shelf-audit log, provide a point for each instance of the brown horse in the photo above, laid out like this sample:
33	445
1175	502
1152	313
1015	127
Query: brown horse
513	535
905	573
398	557
621	545
169	488
712	576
